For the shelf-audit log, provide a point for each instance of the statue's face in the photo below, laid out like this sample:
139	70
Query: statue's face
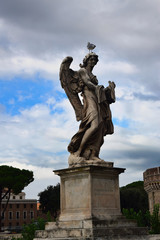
92	61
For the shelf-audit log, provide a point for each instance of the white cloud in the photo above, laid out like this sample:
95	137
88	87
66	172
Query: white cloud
117	66
28	66
36	134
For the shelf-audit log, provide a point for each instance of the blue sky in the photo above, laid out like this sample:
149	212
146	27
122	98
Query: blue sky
36	118
18	93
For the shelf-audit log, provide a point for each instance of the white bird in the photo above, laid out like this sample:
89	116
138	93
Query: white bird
90	46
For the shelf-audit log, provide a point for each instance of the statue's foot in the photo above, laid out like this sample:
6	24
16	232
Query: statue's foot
75	160
94	160
76	154
97	159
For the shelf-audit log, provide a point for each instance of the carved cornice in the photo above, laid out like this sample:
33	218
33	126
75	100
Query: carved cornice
152	186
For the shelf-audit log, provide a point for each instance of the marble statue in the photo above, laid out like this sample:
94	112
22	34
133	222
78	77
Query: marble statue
93	112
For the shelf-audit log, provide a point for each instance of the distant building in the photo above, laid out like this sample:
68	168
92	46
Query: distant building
19	211
152	186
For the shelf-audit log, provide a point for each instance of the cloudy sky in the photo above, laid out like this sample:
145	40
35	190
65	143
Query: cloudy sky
36	118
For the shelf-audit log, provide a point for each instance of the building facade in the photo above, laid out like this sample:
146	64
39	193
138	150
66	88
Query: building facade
152	186
19	211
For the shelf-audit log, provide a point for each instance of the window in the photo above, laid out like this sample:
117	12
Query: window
10	215
24	215
20	197
32	214
17	215
3	215
24	205
14	197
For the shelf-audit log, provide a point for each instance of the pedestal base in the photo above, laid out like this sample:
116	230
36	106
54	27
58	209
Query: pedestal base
116	228
90	207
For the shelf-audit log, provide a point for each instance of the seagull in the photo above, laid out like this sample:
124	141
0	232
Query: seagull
90	46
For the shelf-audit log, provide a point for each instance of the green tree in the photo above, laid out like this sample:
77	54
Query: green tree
155	220
50	200
29	230
12	180
134	196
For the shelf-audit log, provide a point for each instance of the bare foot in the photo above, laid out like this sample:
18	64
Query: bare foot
94	158
75	160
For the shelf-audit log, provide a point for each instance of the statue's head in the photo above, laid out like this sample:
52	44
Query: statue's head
87	57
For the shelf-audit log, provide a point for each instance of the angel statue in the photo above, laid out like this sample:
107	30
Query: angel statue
93	111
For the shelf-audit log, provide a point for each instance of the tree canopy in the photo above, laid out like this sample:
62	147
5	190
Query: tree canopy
134	196
12	179
50	200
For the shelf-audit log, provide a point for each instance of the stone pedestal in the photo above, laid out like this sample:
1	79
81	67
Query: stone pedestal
90	207
90	192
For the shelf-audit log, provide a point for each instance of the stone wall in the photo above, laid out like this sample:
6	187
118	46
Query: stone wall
9	236
152	186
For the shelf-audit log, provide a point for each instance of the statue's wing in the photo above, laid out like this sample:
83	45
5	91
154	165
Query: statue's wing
72	85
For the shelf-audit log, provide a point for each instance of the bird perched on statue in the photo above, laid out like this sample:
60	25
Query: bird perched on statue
90	46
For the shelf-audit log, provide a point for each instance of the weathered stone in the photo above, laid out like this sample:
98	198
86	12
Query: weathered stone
64	225
129	237
152	186
90	207
89	192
